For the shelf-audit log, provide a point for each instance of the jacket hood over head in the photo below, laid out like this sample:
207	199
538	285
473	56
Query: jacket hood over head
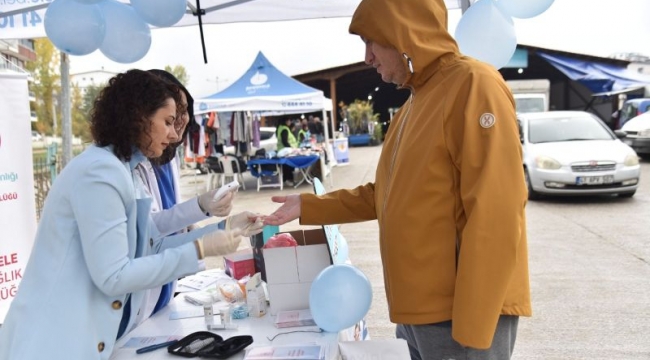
416	28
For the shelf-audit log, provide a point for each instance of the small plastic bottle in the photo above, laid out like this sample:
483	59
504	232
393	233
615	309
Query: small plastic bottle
208	314
226	315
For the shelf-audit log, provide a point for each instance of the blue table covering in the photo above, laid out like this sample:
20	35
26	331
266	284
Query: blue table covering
298	162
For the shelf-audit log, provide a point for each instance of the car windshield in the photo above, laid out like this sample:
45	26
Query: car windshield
265	134
525	105
566	129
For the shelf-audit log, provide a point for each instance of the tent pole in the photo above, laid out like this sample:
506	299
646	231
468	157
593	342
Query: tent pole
327	146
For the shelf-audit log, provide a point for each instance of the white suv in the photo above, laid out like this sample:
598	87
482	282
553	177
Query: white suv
268	142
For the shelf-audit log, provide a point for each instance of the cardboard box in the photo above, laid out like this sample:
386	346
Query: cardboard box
239	264
291	270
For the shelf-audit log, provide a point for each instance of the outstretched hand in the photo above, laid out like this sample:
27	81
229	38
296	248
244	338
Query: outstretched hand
290	210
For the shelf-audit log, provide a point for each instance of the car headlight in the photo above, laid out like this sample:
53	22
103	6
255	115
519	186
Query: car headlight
631	160
547	163
644	133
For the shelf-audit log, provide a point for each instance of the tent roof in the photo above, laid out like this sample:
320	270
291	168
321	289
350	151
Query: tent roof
215	12
262	79
264	88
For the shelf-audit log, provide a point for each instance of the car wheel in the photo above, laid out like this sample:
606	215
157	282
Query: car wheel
532	194
627	194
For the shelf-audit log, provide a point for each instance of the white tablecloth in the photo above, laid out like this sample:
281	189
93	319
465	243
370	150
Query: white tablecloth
258	328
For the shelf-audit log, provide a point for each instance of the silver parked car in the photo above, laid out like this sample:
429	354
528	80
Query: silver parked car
637	131
575	153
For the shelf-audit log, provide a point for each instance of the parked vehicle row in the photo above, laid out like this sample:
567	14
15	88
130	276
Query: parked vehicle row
637	134
631	109
575	153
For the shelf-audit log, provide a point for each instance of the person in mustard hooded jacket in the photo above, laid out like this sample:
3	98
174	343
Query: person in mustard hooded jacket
449	191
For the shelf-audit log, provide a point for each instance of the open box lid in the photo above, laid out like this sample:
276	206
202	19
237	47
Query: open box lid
337	244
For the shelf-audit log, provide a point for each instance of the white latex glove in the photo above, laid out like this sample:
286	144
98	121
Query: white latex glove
220	207
221	242
249	223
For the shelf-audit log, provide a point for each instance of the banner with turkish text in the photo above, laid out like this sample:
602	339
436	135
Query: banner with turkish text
17	205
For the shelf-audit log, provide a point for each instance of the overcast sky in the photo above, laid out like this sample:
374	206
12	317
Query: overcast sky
594	27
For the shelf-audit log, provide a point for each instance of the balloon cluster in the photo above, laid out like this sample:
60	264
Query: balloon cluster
121	32
339	297
486	31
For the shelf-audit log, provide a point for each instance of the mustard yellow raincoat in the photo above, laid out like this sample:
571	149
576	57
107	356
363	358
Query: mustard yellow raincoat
449	191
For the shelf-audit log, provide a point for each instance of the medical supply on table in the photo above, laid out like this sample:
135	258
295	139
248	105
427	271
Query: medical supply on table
149	348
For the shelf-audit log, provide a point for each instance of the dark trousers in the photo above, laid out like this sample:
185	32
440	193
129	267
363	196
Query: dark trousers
434	341
287	173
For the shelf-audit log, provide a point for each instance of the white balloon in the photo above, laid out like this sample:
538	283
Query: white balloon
485	33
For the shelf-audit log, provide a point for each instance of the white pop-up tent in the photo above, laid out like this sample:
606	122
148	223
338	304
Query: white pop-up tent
24	19
266	89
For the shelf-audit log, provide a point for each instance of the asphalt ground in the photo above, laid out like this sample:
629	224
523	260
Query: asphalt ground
589	265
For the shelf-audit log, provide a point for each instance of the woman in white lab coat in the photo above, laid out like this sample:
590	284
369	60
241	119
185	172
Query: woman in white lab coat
85	278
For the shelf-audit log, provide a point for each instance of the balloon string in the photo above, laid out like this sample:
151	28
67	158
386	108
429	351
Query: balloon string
200	12
295	331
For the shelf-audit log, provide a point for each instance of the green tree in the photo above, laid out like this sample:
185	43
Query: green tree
45	72
80	124
180	73
359	114
89	96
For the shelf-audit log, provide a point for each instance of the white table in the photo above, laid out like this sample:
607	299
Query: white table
259	328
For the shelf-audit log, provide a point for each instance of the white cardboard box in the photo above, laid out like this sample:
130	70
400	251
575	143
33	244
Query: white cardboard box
291	270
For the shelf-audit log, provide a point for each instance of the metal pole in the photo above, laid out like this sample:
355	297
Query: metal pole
464	5
54	126
66	121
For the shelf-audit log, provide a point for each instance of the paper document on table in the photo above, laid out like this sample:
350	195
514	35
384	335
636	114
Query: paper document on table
205	296
200	280
294	318
297	352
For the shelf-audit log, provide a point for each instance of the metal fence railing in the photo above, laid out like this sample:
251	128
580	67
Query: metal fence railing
45	171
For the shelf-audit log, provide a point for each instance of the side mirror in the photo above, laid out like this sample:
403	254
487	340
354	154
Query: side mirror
620	134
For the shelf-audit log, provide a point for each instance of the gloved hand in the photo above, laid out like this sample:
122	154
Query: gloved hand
221	242
249	223
220	207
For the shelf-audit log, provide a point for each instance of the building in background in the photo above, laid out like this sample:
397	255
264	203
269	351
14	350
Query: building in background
91	78
18	52
14	54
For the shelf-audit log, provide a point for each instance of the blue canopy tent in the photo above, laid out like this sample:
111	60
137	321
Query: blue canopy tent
597	77
265	88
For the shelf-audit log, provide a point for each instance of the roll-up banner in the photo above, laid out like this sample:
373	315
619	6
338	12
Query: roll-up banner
17	202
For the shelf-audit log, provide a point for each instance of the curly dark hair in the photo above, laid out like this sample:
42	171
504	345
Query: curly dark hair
122	110
170	152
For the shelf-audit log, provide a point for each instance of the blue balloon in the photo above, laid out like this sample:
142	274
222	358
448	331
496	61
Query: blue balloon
339	297
160	13
523	9
74	28
485	33
128	37
89	1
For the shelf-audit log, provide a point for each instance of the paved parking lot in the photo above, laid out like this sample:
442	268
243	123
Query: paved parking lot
589	263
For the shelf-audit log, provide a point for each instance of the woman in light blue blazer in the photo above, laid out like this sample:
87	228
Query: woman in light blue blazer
86	275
